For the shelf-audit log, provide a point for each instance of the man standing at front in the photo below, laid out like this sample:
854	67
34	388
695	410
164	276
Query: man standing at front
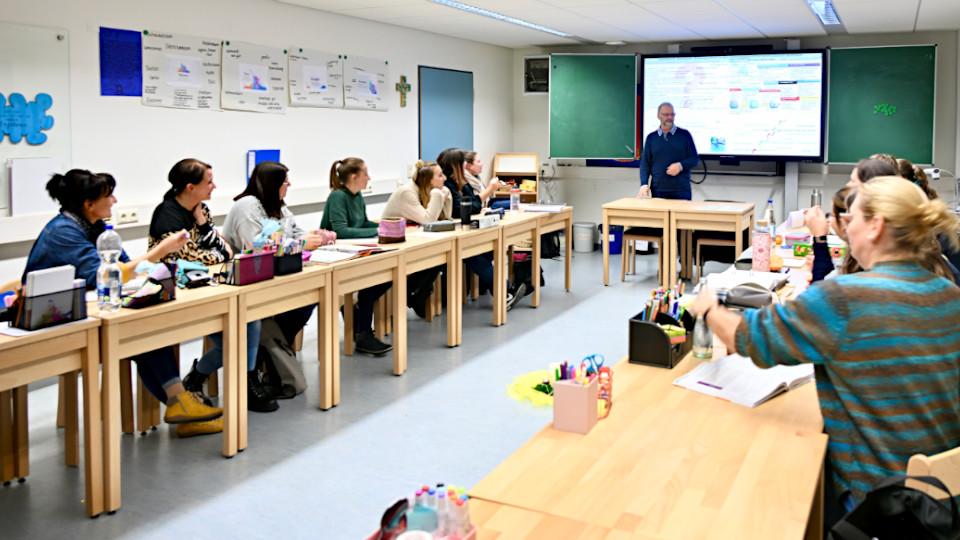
668	156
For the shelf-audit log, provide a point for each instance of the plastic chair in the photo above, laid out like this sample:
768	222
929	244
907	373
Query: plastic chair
945	466
640	234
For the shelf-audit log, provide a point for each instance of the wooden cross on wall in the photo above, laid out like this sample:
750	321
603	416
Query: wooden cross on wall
403	87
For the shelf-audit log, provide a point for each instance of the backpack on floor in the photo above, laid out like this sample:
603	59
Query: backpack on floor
280	365
550	245
893	510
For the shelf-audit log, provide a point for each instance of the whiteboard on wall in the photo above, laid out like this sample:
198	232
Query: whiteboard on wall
365	83
254	78
180	71
34	61
315	78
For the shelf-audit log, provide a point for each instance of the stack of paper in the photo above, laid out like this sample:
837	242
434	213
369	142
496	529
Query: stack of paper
737	379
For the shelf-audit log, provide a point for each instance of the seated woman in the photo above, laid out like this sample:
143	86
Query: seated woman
423	201
264	198
452	162
472	169
345	213
872	167
183	209
884	341
70	238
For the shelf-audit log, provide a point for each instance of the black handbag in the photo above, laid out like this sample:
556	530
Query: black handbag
748	296
893	510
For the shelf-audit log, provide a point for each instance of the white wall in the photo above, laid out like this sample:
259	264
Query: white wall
587	188
139	144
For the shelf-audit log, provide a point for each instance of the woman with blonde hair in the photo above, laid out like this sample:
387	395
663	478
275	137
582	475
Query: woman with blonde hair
424	200
884	341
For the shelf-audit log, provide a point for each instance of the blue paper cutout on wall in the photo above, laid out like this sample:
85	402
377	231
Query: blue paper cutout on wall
20	119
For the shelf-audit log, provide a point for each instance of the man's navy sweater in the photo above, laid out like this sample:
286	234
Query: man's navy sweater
659	152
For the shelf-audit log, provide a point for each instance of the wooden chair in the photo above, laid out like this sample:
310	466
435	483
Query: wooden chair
640	234
945	466
705	242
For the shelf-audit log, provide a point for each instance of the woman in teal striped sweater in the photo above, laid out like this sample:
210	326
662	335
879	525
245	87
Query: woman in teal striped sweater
884	342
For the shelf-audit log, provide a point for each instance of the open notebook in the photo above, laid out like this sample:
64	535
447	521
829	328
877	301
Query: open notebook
724	281
343	251
736	378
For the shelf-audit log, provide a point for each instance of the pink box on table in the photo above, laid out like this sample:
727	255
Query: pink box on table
574	405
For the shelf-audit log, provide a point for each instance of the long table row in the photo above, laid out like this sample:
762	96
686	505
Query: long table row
110	337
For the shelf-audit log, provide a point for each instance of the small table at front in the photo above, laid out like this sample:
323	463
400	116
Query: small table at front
310	286
45	353
673	463
732	217
193	314
633	212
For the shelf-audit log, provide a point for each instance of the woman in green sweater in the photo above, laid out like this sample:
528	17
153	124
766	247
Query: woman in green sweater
345	213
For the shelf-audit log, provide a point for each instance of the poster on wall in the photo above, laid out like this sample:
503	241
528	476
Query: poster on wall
181	71
34	112
254	78
316	78
365	83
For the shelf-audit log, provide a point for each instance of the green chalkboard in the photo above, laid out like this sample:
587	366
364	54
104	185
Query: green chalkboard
593	106
881	101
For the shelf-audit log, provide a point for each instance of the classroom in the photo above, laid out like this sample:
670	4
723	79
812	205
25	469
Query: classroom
331	473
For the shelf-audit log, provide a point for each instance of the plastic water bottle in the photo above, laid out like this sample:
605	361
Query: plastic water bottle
702	335
514	199
108	274
771	220
761	244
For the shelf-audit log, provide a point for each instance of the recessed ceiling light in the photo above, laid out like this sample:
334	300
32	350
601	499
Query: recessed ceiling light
501	17
616	43
823	9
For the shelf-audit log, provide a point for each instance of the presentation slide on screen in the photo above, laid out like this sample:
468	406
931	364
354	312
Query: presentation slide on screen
740	105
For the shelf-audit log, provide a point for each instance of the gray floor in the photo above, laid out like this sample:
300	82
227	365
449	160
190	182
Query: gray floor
309	473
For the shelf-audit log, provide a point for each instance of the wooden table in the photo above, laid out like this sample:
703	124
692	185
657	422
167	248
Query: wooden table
256	301
633	212
517	228
706	216
472	242
496	521
195	313
560	221
355	275
672	463
431	250
53	351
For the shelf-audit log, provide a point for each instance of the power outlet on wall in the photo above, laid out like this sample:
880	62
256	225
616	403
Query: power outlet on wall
128	215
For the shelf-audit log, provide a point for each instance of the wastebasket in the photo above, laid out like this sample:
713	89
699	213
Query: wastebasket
616	238
583	236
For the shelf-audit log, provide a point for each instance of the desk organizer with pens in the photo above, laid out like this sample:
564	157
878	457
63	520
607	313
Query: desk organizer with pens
650	345
574	405
287	264
36	312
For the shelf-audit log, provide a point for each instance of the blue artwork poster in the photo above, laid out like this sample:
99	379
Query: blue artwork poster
20	119
121	62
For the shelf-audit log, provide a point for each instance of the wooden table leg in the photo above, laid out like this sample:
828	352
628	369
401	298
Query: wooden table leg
671	241
499	282
71	435
234	376
21	438
568	252
6	437
110	392
535	267
92	442
328	342
399	311
450	276
605	242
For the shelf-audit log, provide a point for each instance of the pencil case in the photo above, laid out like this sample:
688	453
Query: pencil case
650	345
36	312
252	267
287	264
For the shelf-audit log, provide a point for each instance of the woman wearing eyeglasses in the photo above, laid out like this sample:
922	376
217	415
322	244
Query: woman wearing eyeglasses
883	341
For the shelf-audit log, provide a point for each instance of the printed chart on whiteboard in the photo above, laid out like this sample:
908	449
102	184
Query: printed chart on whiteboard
254	78
316	78
181	71
365	84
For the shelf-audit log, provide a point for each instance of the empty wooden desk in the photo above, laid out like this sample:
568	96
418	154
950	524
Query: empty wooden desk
730	217
256	301
672	463
633	212
128	332
37	356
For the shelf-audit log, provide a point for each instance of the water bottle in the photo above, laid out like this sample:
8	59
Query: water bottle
771	220
760	244
108	274
815	198
702	336
466	209
514	199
